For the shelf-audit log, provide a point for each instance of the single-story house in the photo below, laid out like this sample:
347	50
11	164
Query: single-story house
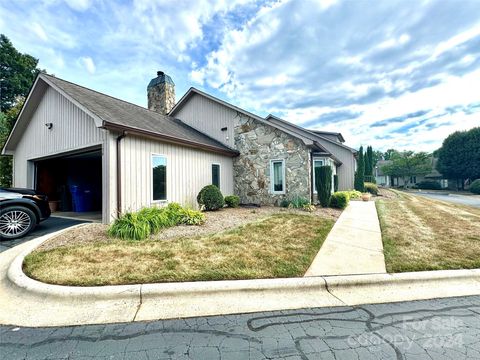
393	181
68	137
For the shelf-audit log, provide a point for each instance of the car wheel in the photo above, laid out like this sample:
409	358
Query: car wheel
16	221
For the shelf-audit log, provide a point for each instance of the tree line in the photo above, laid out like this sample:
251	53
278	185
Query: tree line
17	73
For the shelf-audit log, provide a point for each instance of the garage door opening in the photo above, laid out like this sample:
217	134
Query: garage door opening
73	184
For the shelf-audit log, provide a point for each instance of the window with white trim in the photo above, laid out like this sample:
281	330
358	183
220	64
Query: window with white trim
159	178
277	176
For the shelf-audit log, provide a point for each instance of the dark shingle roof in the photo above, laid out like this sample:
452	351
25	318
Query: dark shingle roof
118	113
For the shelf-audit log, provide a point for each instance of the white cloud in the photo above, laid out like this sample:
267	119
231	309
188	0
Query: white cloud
79	5
38	30
305	61
88	63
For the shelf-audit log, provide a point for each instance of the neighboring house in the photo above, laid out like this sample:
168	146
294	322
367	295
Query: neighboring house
392	181
125	156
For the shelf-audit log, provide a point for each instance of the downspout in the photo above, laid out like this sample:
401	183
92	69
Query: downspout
119	173
312	172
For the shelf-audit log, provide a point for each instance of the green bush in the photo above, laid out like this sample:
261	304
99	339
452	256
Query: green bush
335	183
139	225
232	201
353	194
475	187
339	199
285	203
174	212
298	202
371	188
429	185
323	182
210	198
130	226
156	218
191	217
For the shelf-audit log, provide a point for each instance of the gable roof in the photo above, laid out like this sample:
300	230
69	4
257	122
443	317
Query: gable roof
308	133
337	134
308	138
115	114
192	91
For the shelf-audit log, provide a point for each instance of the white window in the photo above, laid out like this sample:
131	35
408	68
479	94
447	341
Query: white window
277	176
159	178
316	164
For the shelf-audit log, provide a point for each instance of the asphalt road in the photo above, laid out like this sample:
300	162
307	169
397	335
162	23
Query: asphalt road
453	198
434	329
48	226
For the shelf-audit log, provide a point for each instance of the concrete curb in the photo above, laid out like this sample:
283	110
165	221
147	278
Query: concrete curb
53	305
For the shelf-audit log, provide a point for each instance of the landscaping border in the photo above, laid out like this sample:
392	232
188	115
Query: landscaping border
34	303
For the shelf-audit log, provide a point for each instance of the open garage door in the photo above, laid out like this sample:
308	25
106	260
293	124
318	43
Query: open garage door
73	184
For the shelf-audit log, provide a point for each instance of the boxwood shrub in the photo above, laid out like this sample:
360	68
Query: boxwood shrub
210	198
232	201
339	199
371	188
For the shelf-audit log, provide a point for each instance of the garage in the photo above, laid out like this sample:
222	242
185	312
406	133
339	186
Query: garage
73	184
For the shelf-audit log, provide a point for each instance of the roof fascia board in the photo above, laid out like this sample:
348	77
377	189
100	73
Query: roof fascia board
193	90
5	151
167	138
98	120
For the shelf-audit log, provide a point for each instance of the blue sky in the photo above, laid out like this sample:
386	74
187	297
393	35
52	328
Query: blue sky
400	74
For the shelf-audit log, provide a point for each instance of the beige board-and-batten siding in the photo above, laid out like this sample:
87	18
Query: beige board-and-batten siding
210	118
346	171
188	170
72	130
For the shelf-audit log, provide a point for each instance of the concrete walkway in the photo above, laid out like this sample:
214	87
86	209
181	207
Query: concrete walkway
354	246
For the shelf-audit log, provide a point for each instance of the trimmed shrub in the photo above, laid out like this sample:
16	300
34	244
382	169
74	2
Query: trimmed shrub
371	188
191	217
285	203
335	183
339	199
130	226
210	198
323	181
353	194
232	201
475	187
429	185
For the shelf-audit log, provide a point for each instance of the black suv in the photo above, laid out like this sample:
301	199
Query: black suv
20	211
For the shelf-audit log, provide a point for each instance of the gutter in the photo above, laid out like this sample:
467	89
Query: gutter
168	138
119	172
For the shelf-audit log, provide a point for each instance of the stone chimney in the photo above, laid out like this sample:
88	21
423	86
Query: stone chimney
161	93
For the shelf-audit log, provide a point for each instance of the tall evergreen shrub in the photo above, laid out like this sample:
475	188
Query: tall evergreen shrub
323	181
360	173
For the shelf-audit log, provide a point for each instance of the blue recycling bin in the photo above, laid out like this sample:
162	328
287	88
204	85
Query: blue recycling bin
82	199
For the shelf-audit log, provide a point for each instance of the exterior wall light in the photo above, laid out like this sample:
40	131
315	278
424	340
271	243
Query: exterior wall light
49	126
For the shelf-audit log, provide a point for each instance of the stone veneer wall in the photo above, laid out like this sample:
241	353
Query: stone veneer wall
259	143
161	98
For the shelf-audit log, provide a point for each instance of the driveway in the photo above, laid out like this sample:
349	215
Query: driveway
469	200
48	226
